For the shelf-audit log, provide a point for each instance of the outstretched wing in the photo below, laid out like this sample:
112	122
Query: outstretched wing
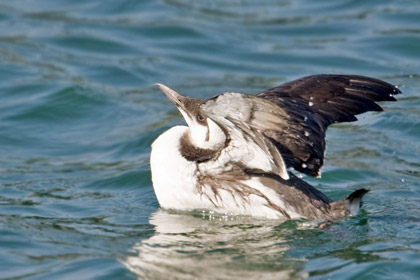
308	106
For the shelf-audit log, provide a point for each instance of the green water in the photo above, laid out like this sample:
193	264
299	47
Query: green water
79	110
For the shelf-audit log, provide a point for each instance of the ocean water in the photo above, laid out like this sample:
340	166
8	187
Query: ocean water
79	110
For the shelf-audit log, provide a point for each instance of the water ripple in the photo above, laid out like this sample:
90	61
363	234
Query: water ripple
79	110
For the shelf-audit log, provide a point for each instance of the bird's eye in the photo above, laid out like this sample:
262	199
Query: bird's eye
200	117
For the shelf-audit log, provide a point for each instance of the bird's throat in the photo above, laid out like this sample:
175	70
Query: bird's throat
193	153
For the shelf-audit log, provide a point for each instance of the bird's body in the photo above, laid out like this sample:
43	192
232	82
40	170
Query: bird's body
234	154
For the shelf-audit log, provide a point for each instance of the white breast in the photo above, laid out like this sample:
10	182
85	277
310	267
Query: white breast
174	178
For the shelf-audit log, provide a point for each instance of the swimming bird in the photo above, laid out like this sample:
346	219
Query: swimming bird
236	153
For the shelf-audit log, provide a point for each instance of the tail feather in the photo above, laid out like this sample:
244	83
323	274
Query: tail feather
355	201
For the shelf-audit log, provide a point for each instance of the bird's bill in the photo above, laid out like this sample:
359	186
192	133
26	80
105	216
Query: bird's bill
179	101
174	96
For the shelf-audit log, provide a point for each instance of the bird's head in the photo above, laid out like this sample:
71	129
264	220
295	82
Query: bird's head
204	133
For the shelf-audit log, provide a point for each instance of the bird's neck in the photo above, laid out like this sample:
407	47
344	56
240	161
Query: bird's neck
198	148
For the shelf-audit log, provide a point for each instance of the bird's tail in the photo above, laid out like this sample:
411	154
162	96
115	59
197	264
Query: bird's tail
354	201
349	206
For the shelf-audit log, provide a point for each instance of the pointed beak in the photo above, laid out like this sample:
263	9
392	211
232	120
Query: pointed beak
186	106
174	96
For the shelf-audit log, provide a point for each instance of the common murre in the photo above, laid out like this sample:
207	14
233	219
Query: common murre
234	154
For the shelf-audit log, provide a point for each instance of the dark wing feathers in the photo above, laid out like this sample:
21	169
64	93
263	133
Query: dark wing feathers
335	95
313	103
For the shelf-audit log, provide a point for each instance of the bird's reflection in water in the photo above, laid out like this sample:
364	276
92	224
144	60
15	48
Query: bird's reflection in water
208	246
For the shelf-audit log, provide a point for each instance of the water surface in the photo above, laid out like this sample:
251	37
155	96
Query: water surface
79	110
